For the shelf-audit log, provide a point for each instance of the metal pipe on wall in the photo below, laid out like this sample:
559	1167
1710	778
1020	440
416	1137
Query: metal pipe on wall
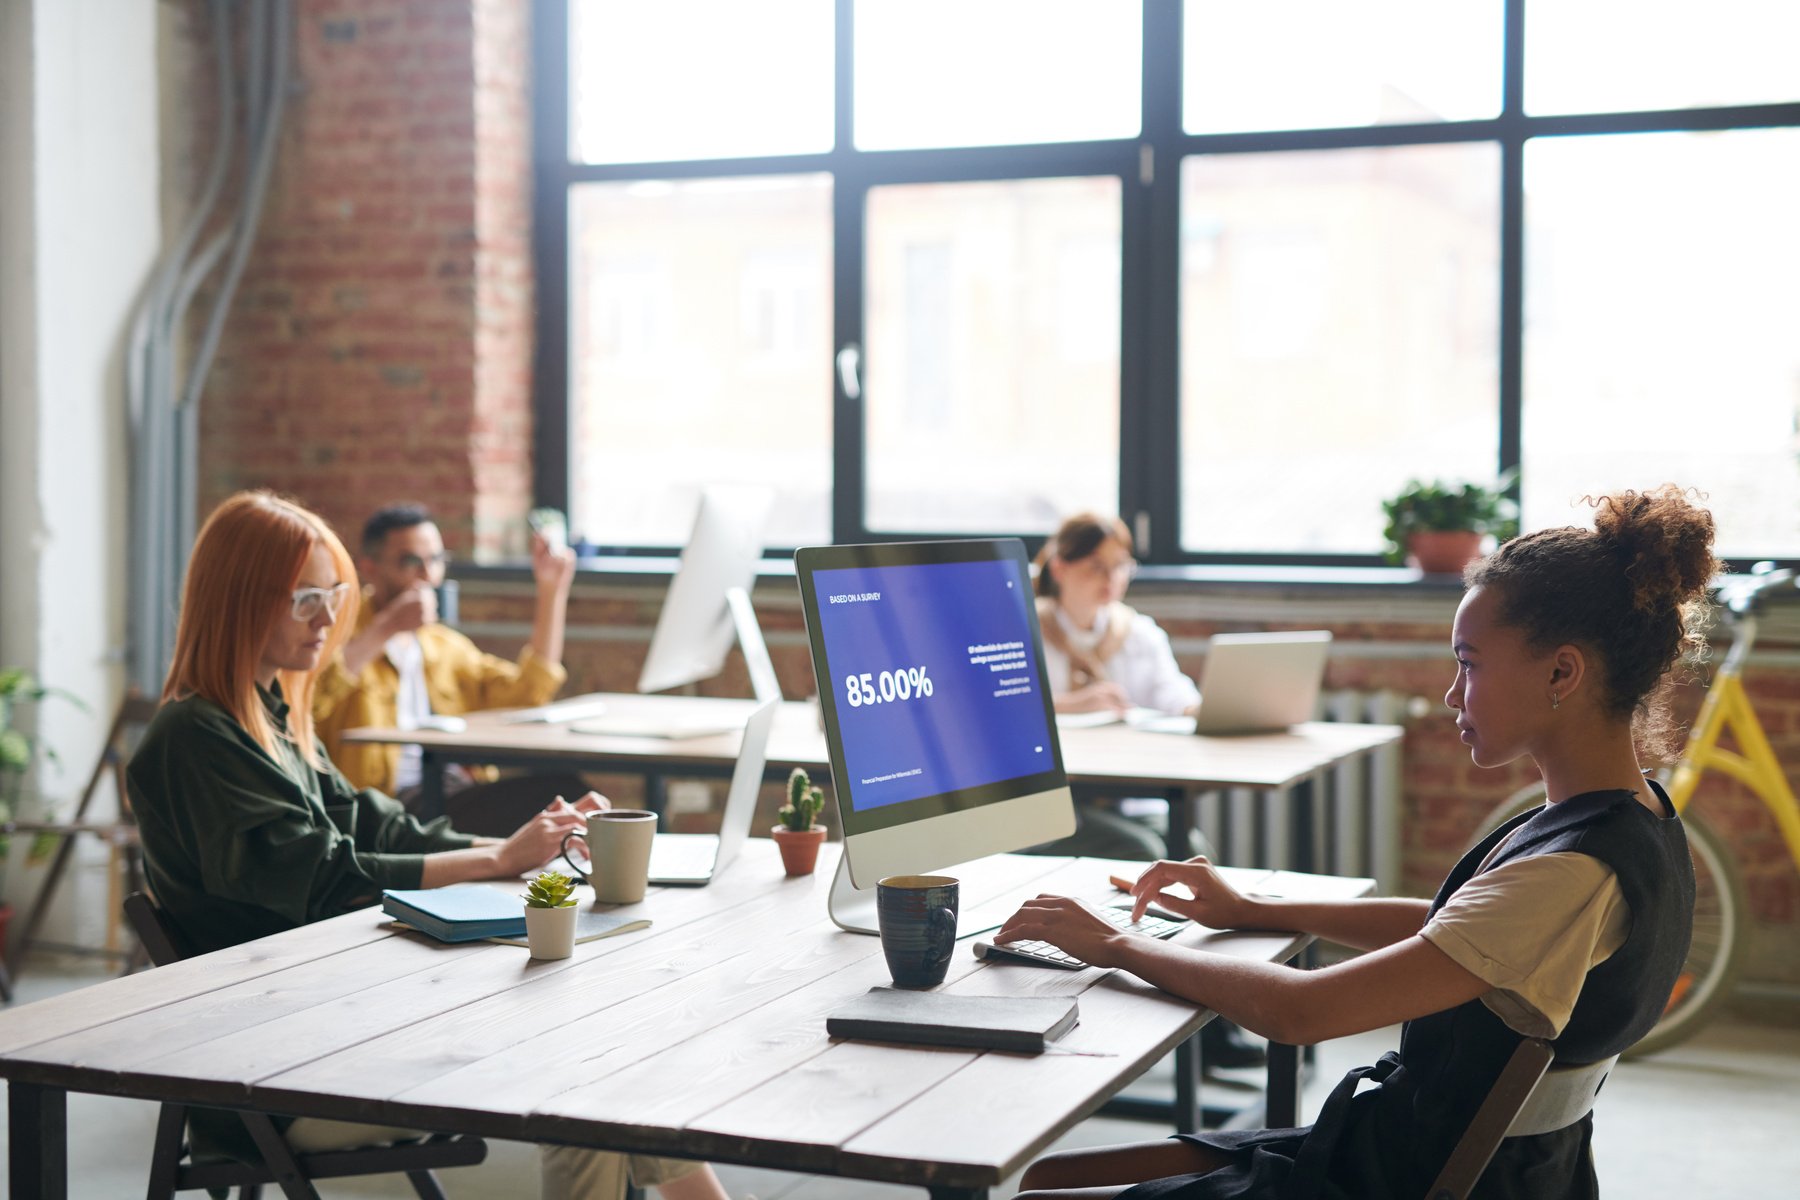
164	409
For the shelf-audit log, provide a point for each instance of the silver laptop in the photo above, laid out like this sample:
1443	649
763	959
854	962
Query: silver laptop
1258	682
692	859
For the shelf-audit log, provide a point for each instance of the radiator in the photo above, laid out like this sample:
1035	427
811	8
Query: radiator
1350	824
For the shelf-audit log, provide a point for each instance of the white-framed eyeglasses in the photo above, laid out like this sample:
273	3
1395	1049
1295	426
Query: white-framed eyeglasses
309	602
1125	567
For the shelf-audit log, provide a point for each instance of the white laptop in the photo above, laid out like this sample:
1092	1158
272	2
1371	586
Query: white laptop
692	859
1259	682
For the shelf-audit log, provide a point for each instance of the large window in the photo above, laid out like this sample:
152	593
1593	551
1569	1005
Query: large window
1236	271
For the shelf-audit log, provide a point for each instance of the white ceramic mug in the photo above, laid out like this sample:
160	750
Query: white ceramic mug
618	844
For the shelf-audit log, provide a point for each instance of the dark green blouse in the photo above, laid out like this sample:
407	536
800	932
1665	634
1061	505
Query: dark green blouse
239	843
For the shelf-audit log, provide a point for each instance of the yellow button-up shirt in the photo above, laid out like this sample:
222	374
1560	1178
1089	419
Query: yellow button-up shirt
459	678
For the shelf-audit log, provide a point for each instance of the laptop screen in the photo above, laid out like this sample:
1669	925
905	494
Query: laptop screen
931	676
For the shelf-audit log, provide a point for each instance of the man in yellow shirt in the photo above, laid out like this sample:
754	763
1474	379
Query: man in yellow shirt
402	666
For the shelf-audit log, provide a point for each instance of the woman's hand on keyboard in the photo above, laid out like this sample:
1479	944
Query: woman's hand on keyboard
1067	924
1216	904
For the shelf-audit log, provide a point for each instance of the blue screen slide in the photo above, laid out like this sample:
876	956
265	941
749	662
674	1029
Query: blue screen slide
934	676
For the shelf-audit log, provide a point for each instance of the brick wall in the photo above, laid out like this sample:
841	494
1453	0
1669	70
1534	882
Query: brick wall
379	347
1383	639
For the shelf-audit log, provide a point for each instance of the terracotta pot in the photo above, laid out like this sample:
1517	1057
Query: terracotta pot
550	931
1442	551
799	847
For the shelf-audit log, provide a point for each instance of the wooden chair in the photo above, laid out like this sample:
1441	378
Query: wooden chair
1530	1096
121	836
172	1171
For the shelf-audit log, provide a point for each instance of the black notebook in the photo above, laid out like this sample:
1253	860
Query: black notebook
1023	1023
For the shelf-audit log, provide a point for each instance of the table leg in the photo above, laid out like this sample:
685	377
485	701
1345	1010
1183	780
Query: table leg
1303	796
431	784
1282	1101
38	1129
1181	819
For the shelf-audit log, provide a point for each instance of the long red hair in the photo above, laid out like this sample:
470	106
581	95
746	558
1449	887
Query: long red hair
240	582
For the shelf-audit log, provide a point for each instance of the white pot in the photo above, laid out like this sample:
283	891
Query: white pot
550	931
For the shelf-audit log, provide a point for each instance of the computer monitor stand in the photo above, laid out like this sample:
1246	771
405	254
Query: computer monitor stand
756	657
853	909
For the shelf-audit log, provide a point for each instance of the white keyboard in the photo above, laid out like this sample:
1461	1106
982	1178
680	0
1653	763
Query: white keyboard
1043	954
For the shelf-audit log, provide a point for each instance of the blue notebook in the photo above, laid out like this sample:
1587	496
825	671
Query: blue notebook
458	914
469	912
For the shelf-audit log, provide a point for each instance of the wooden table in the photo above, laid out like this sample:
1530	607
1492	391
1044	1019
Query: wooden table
701	1037
1113	756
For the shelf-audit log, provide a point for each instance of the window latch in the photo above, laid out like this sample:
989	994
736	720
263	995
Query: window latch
849	369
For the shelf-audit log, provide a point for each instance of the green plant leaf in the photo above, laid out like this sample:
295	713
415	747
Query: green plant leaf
550	889
15	750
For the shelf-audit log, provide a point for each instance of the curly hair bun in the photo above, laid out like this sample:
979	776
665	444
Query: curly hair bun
1665	541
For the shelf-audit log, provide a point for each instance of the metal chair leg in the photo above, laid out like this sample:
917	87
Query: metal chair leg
426	1184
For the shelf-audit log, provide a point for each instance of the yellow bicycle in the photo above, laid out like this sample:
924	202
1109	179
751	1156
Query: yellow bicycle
1721	912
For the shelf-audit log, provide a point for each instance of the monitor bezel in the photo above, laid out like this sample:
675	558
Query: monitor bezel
810	560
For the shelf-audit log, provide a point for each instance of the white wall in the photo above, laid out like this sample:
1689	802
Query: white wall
79	229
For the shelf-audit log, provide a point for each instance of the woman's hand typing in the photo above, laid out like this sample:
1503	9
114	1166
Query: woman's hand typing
1216	904
1067	924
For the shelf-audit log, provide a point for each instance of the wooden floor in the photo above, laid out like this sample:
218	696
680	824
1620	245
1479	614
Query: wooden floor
1713	1117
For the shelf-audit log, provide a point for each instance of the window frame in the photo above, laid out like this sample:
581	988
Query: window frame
1149	168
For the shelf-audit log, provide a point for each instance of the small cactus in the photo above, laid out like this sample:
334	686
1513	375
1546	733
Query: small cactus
801	811
551	889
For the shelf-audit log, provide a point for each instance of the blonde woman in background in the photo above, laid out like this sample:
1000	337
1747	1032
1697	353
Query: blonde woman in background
1102	655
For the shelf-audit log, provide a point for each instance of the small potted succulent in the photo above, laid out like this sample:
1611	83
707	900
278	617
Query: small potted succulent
550	915
1438	527
799	835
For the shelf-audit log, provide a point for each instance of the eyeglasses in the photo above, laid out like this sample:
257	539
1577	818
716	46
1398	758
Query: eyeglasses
412	562
309	602
1127	567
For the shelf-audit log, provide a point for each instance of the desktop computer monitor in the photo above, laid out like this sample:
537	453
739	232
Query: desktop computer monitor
941	732
708	602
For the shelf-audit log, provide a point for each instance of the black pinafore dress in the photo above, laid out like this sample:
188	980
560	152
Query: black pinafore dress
1392	1139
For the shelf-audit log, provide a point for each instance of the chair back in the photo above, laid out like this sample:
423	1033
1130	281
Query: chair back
161	940
1531	1096
1505	1100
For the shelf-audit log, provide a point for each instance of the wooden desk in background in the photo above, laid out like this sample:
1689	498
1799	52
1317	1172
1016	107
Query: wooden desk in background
1177	767
702	1037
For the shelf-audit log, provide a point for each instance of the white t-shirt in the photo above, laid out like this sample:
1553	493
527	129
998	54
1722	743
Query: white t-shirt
1532	929
1144	666
412	701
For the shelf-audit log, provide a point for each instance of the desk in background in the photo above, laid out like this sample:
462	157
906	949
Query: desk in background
702	1037
1114	757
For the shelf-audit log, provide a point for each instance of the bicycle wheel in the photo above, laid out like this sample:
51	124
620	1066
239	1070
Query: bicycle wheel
1720	914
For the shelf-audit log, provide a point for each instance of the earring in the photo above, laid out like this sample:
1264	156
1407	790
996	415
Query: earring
1555	701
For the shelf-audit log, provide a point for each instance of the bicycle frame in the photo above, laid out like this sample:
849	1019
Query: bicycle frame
1727	706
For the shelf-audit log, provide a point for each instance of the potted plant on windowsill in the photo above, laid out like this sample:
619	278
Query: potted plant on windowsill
799	836
1438	527
550	915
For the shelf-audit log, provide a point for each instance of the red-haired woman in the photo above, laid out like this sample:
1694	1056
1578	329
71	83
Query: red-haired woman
247	827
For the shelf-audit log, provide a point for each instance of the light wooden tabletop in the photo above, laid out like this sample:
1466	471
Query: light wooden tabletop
1111	754
702	1037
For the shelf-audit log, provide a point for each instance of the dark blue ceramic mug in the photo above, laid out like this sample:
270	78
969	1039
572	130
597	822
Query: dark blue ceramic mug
917	914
